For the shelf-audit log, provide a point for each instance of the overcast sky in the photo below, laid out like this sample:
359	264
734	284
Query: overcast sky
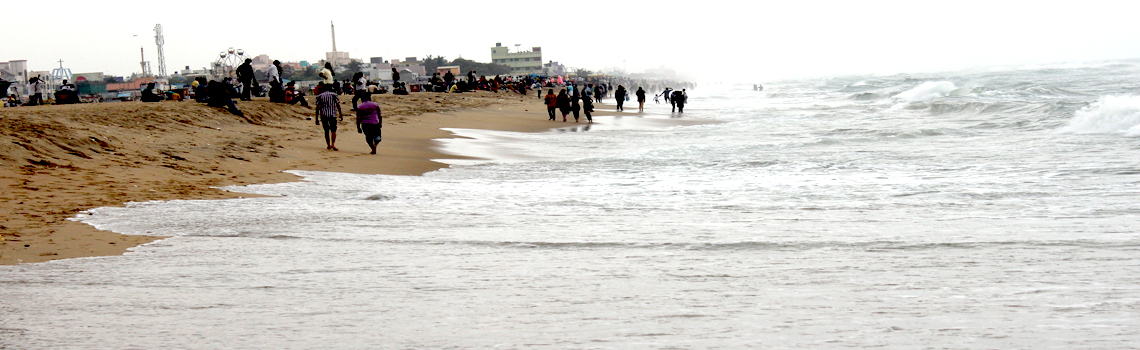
713	40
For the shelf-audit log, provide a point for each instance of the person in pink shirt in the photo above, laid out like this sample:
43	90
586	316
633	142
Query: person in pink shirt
368	121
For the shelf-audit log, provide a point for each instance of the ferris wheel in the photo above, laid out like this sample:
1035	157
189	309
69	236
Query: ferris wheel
227	62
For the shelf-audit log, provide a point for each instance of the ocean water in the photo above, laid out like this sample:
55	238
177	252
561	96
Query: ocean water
982	209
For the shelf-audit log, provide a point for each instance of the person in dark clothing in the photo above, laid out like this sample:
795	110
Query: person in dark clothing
148	94
448	78
678	100
471	77
245	77
200	92
574	106
619	96
640	99
220	97
587	108
395	78
563	103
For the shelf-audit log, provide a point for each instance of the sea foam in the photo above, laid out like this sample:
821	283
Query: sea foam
1109	115
928	91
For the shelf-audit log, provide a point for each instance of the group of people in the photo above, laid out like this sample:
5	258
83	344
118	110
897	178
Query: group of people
569	103
65	93
573	101
328	114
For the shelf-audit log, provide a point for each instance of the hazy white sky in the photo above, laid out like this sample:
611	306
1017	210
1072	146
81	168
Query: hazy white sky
748	41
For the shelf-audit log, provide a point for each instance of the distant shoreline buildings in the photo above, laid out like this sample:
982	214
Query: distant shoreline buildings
518	61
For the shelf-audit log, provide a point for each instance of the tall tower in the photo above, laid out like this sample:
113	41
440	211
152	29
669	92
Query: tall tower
142	62
161	57
334	58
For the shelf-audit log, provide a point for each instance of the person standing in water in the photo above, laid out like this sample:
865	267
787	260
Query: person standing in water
619	96
368	119
640	99
328	111
679	98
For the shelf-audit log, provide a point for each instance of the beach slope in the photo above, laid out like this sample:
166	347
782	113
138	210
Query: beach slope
56	161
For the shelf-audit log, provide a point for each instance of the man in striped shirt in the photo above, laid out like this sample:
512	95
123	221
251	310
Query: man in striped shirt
328	111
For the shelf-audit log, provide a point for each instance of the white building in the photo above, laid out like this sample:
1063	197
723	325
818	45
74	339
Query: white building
521	62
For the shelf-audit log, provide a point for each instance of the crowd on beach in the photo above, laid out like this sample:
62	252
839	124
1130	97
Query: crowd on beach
574	96
572	100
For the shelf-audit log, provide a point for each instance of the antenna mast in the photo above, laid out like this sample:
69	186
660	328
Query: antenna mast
158	40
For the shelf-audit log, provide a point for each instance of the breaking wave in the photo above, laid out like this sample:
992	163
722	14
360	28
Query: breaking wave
1109	115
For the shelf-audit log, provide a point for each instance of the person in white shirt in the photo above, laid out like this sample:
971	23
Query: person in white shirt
276	93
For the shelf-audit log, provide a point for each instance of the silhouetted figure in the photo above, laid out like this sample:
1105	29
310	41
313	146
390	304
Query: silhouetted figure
148	94
220	96
245	77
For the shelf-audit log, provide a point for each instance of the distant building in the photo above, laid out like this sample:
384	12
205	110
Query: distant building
444	69
375	60
16	72
521	63
553	68
339	58
261	63
94	77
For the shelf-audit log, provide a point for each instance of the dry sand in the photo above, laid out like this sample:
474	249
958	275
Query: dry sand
56	161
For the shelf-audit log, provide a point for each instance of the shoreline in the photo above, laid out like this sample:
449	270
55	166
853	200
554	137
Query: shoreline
167	155
57	161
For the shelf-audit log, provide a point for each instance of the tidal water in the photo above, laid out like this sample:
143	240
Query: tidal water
978	209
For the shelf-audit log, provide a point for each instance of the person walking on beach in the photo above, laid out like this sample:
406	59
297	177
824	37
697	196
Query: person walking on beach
619	96
245	77
368	121
575	106
563	104
328	111
361	89
551	103
640	99
587	108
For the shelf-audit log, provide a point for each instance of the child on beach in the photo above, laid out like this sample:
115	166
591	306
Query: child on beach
368	121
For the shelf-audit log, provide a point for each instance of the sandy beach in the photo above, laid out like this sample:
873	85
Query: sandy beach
56	161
